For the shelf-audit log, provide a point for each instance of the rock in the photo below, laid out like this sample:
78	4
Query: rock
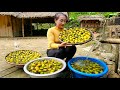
87	48
112	74
108	56
111	67
96	35
108	62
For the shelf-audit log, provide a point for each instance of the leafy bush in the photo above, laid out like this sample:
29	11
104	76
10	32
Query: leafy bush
73	17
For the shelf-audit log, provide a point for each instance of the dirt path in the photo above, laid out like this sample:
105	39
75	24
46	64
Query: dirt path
38	44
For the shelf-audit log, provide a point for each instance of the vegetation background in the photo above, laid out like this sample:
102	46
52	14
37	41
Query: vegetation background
73	20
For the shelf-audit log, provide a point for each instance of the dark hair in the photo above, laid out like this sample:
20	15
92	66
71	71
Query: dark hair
58	14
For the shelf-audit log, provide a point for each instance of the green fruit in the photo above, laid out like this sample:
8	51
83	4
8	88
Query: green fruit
22	56
45	66
87	66
75	35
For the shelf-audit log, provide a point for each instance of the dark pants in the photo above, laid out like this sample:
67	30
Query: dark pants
62	52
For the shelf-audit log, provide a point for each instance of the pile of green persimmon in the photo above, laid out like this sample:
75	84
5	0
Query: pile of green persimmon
87	66
75	35
22	56
44	66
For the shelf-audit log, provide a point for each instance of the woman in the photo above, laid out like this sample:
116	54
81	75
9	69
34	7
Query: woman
55	47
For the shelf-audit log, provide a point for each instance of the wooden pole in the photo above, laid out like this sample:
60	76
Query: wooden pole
23	27
31	26
37	26
49	25
81	23
110	41
117	54
103	25
110	32
116	58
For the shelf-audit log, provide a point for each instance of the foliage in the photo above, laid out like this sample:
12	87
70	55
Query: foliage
73	20
72	23
73	17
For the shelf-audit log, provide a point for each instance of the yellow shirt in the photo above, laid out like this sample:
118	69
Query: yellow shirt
53	37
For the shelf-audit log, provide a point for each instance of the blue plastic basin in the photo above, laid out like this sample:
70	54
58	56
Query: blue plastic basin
78	74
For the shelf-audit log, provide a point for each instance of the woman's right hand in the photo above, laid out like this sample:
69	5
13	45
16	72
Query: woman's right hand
63	44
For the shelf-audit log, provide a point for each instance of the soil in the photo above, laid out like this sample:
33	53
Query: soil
39	44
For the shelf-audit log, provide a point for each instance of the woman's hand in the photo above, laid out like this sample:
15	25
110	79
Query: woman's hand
63	44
